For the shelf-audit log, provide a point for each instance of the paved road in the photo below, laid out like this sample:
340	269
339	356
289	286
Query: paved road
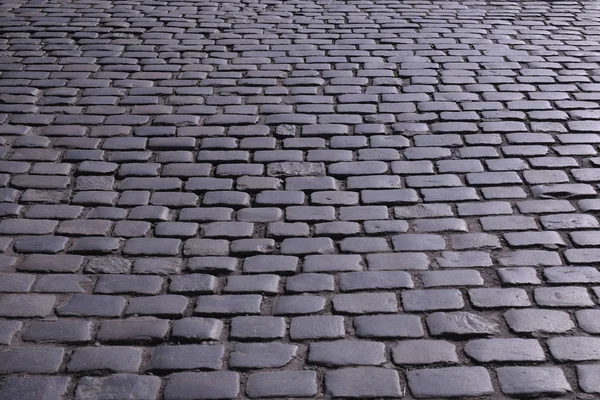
296	199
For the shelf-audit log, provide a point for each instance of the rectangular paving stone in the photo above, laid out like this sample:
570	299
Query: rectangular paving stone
282	384
19	360
353	281
362	382
27	226
113	359
418	242
495	350
26	305
587	375
59	331
499	297
167	305
257	327
202	385
119	385
346	353
35	387
270	264
152	247
388	326
432	299
184	357
449	382
575	348
538	320
228	304
317	327
365	303
331	263
135	330
422	352
533	381
397	261
461	324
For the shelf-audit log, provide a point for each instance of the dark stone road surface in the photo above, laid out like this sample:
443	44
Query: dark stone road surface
249	199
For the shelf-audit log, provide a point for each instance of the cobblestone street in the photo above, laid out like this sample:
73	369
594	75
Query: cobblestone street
247	199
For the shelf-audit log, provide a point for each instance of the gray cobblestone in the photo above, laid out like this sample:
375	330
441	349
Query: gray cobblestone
67	331
365	382
460	324
317	327
262	355
203	385
35	387
490	350
365	303
183	357
587	380
18	360
113	359
421	352
346	353
282	384
534	321
528	381
118	385
574	348
450	382
133	330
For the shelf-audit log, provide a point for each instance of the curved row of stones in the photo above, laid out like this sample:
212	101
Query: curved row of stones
293	199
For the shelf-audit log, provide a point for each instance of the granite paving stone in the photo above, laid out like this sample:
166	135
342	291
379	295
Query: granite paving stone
282	384
202	385
113	359
346	353
35	387
18	360
183	357
59	331
423	352
528	381
587	378
133	330
363	382
262	355
450	382
528	321
118	386
505	350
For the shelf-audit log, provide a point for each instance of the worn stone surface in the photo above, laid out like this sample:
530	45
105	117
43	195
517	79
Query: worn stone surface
118	386
449	382
34	387
588	378
282	384
216	199
262	355
362	382
182	357
505	350
203	385
346	353
422	352
112	359
533	381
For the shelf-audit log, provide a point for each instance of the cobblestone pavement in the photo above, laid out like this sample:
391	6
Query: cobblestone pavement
296	199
